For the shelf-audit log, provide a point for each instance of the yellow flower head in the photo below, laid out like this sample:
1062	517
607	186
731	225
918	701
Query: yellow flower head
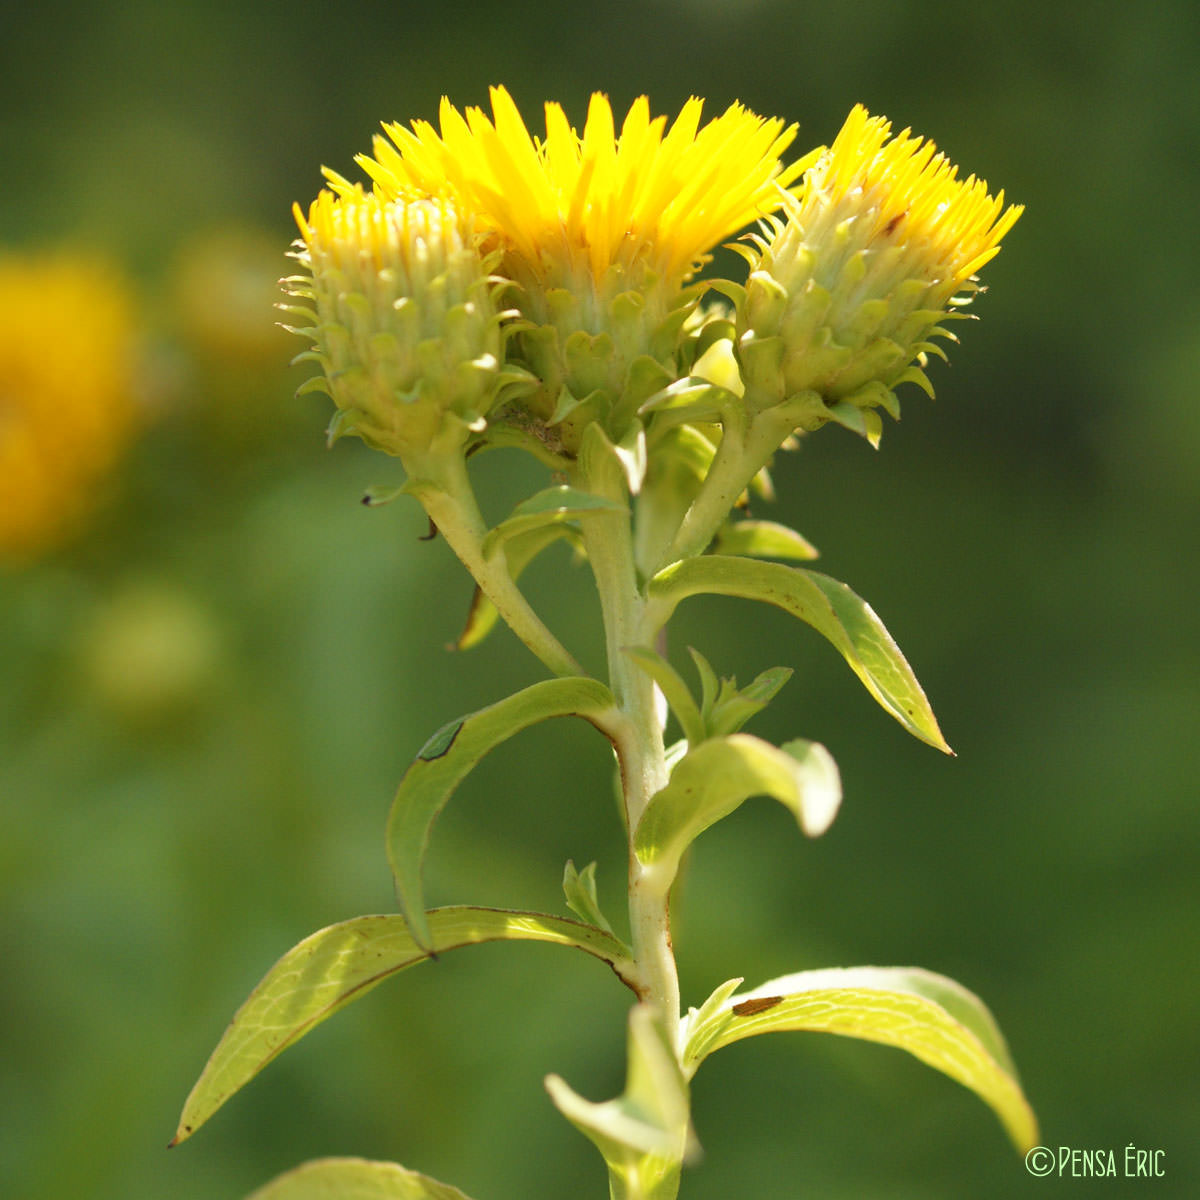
881	240
903	192
572	206
66	404
402	315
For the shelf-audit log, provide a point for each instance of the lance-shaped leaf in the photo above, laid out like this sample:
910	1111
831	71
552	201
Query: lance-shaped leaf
645	1133
828	606
551	506
450	754
930	1016
334	966
354	1179
713	779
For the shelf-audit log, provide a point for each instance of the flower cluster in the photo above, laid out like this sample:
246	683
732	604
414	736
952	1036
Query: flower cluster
522	288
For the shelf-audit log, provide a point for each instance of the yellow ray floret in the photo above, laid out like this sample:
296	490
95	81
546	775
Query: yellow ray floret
569	202
911	193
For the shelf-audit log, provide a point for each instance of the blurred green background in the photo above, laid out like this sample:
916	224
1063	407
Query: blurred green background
208	698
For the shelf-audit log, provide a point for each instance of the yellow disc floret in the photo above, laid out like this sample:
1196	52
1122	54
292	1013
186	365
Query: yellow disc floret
66	405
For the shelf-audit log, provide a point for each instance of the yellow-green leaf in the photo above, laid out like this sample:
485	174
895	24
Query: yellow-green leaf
713	779
675	691
645	1133
763	539
449	756
519	551
334	966
354	1179
551	506
932	1017
830	607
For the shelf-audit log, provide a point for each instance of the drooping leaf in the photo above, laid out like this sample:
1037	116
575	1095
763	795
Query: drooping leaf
930	1016
334	966
354	1179
763	539
830	607
579	888
552	505
712	780
451	753
645	1133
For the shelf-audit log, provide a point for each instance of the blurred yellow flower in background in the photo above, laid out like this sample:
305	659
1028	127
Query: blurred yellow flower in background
223	287
66	399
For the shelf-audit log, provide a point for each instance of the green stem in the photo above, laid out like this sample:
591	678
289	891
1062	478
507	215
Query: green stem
609	544
746	447
444	489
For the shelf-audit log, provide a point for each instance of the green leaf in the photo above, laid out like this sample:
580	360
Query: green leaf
354	1179
449	755
930	1016
763	539
579	888
724	707
713	779
734	706
519	551
677	694
830	607
334	966
549	506
710	685
644	1134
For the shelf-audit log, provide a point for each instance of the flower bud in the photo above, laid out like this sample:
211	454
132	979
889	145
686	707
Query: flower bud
405	328
878	247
